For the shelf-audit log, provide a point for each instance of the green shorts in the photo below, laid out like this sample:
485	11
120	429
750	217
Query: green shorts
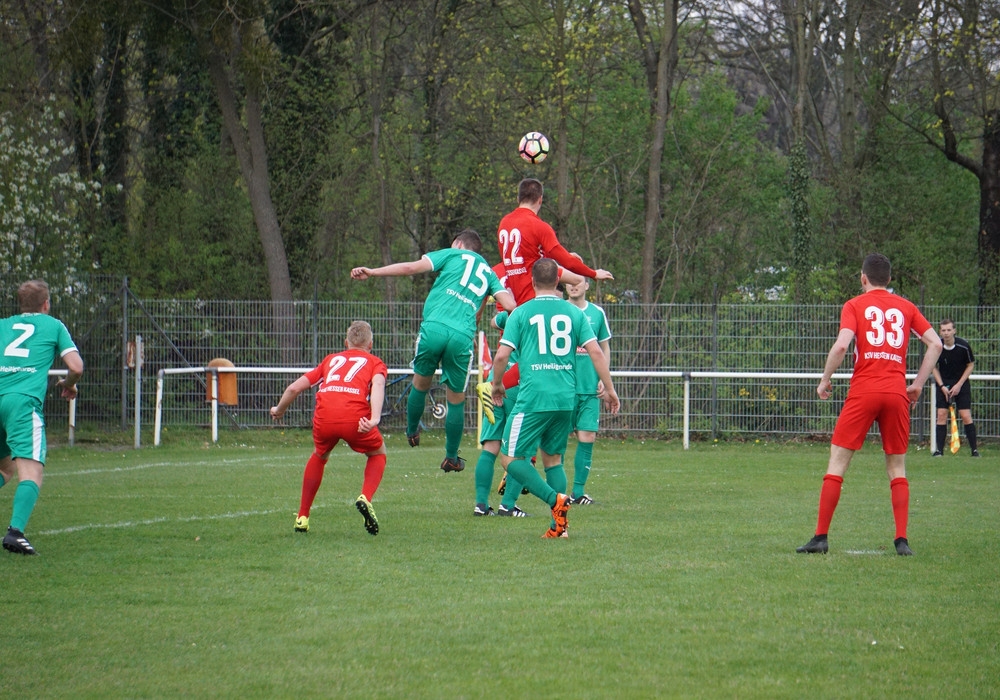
588	412
494	431
441	346
525	433
22	428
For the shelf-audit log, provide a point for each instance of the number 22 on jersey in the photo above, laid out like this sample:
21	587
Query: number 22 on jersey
510	243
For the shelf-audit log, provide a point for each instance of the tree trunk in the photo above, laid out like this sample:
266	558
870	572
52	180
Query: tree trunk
660	61
989	212
250	148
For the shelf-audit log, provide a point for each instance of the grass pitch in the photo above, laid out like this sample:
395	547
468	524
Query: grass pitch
174	571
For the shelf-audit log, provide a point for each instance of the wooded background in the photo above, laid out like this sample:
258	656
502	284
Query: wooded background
702	151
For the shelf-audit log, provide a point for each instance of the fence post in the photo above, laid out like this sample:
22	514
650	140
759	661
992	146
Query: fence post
933	412
124	294
687	410
158	412
138	391
215	403
72	422
715	359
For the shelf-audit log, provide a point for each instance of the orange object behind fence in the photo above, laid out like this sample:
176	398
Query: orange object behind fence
227	383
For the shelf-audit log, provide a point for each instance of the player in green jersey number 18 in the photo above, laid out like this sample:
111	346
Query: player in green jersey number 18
546	332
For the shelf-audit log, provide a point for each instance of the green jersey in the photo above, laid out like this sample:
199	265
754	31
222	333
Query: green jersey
31	343
586	375
546	332
464	280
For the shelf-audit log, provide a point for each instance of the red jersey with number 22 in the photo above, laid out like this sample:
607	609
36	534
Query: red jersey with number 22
881	322
523	239
345	383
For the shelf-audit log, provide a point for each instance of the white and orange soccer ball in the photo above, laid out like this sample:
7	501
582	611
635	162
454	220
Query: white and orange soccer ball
534	147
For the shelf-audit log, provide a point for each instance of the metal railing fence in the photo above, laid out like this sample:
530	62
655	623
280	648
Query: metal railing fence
104	317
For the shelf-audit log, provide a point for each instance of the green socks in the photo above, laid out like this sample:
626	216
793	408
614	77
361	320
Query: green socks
581	466
484	475
556	478
454	426
25	497
415	404
522	471
511	491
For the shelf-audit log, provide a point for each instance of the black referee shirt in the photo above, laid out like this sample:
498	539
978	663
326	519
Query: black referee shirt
953	362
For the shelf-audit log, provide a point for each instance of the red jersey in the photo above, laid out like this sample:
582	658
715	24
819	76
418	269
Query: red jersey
523	239
881	323
345	380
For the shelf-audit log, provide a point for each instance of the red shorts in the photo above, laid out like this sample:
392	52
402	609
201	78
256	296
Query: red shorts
890	411
327	435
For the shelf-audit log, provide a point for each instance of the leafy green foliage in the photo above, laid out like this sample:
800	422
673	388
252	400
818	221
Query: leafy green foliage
43	200
390	126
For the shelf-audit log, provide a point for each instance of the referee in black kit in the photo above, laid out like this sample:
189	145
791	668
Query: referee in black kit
952	377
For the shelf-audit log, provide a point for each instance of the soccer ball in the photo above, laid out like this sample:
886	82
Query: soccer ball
534	147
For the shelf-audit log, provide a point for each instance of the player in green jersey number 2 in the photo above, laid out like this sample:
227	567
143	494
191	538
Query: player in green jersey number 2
447	331
546	332
31	341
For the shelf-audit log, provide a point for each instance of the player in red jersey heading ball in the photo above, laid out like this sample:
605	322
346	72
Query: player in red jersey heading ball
524	238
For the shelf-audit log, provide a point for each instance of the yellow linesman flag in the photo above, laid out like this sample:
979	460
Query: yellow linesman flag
954	431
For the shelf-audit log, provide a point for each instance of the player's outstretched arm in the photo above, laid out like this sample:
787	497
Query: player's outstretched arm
403	269
570	277
506	300
291	393
375	400
934	347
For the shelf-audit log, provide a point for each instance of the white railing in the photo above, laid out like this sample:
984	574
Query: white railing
686	378
213	392
72	406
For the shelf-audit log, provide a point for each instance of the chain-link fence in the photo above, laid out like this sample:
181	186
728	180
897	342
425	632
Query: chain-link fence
104	317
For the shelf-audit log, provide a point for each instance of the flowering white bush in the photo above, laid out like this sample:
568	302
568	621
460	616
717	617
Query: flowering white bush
42	197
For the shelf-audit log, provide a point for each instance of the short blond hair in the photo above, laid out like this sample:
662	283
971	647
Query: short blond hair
32	296
359	334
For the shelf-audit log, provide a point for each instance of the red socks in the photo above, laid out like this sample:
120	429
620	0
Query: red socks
828	498
374	469
900	490
313	477
311	480
830	495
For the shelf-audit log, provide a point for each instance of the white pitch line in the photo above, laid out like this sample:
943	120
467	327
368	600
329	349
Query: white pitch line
151	465
156	521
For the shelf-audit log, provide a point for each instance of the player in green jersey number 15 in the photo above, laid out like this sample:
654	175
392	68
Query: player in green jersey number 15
447	331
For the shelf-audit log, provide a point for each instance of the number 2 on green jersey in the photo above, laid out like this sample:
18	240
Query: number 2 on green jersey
14	349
